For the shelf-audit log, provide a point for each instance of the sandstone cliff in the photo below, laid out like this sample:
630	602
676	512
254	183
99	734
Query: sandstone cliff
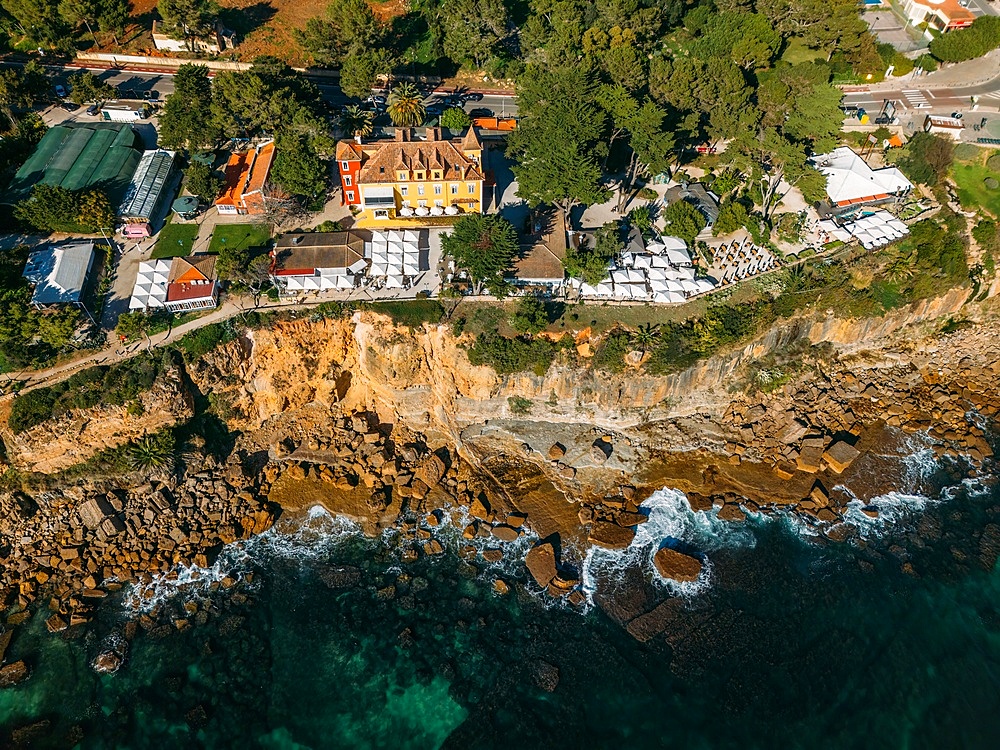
81	433
425	380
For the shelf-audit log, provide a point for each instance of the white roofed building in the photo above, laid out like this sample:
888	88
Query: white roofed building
850	181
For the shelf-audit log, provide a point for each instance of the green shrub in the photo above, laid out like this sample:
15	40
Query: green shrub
117	385
412	313
519	406
510	355
610	355
201	341
529	316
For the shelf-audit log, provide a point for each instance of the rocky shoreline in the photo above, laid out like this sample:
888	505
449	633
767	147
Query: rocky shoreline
396	451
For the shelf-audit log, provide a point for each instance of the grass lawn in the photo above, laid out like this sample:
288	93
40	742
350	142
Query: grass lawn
175	239
239	236
969	176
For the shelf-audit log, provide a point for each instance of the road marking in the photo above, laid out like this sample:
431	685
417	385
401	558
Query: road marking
916	99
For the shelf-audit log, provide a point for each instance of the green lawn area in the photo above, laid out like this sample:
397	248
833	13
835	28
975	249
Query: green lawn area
239	236
970	176
175	239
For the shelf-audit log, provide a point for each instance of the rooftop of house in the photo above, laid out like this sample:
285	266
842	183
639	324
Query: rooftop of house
382	160
953	10
59	272
304	252
246	173
849	178
543	251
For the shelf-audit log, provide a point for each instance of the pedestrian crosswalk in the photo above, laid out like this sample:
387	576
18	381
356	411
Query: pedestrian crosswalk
916	99
994	95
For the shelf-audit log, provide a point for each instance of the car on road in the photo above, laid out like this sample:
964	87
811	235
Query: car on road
60	91
472	96
481	112
957	115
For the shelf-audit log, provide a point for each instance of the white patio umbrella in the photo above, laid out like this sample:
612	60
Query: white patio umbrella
410	235
674	286
659	261
658	285
635	276
379	270
673	243
437	211
393	282
656	274
451	210
410	270
605	289
620	277
586	289
406	211
358	266
689	286
675	297
421	211
345	282
655	247
643	261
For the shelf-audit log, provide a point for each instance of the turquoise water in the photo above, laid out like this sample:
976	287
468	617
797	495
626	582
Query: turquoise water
890	641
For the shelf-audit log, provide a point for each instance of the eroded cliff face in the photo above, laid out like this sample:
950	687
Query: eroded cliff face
424	378
82	433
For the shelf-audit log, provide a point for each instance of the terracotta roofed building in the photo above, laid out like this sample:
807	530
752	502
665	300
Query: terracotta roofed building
245	189
404	177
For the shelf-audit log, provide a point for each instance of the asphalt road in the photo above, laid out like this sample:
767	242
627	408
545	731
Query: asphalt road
163	85
909	97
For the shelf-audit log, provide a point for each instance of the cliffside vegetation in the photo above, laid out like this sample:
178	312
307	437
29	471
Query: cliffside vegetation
116	385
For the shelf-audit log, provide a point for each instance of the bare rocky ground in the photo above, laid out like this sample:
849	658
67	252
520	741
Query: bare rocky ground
330	434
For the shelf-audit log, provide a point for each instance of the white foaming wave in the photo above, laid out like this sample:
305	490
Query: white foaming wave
454	520
670	515
893	507
310	537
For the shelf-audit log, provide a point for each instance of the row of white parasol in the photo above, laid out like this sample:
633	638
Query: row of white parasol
662	274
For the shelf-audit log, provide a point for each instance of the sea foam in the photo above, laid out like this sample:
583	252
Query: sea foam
670	517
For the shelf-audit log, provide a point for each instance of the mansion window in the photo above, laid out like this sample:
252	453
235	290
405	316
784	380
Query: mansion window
402	175
420	189
437	190
403	189
454	189
350	195
346	166
471	187
347	180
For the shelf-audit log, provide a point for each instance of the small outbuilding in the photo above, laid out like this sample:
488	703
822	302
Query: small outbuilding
59	274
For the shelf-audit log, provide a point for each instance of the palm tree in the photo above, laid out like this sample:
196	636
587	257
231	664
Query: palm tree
406	106
151	452
645	337
357	122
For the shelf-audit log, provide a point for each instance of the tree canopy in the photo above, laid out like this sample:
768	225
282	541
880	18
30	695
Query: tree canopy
483	246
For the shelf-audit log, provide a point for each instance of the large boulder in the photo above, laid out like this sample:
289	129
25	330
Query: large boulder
840	455
610	535
541	563
13	674
671	563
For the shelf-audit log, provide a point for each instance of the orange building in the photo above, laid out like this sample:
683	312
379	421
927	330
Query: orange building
407	177
245	189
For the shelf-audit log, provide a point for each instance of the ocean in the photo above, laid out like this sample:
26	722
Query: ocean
313	636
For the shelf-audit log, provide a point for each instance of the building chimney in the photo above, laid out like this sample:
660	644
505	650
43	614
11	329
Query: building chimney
357	139
403	135
433	134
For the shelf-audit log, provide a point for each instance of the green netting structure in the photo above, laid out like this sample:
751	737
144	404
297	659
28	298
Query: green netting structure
81	156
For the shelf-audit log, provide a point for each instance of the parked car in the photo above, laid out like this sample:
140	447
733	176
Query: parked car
481	112
61	91
69	106
377	100
93	109
957	115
